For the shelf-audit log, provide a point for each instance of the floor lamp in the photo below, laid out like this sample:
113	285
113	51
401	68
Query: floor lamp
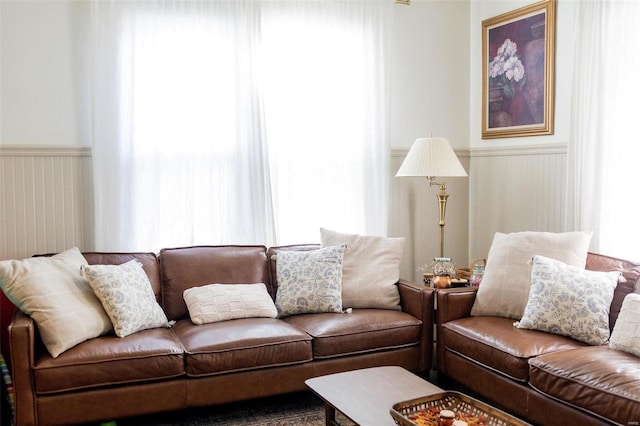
431	158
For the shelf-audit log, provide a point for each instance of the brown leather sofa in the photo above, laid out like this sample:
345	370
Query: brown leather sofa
544	378
197	365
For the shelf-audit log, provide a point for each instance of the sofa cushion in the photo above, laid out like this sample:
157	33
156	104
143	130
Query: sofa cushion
222	302
241	344
188	267
53	291
595	379
309	281
110	360
361	331
505	285
126	295
569	301
370	270
494	343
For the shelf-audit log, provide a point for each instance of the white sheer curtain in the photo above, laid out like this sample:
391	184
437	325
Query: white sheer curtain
221	122
605	147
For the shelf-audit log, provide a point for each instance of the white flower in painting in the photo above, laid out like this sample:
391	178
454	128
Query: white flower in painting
496	69
508	49
506	67
513	69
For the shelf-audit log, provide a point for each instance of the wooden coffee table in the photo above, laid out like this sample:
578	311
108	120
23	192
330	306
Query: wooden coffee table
365	396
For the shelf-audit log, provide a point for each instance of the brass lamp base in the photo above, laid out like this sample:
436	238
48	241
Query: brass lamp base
442	207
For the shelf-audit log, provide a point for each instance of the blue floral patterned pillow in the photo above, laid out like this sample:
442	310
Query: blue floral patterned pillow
126	295
569	301
309	281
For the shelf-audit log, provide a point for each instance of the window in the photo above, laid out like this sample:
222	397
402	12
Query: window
238	122
603	150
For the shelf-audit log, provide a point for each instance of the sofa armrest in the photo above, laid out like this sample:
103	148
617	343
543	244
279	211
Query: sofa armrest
452	304
22	335
455	303
417	300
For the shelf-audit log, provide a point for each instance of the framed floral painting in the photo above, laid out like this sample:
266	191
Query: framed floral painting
518	50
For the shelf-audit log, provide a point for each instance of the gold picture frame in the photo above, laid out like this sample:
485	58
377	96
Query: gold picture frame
518	68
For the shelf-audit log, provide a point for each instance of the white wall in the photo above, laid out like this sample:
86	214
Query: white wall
44	73
429	80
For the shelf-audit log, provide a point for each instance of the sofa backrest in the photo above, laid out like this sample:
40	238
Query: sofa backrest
186	267
149	264
631	273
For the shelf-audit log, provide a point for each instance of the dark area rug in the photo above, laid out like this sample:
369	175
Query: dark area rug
296	409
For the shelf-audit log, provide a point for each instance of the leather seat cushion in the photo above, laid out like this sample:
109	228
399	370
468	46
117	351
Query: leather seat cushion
596	379
241	344
361	331
153	354
494	343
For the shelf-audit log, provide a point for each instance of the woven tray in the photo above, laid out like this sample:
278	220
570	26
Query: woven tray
456	402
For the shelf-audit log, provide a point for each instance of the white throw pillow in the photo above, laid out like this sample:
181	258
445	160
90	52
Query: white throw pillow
53	291
309	281
626	333
569	301
126	294
504	290
370	269
222	302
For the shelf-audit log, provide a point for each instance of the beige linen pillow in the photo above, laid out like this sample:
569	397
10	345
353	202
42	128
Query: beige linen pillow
626	333
504	290
370	269
126	294
53	291
222	302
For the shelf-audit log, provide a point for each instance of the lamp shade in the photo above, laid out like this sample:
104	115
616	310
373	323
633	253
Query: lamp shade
431	157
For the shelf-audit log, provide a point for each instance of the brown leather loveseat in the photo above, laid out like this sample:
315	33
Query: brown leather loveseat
545	378
191	365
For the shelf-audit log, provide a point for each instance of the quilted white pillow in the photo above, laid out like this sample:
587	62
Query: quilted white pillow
505	285
222	302
569	301
126	294
53	291
626	333
370	269
309	281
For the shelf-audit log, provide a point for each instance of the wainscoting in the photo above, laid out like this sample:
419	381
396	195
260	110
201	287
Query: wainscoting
47	201
515	189
47	205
